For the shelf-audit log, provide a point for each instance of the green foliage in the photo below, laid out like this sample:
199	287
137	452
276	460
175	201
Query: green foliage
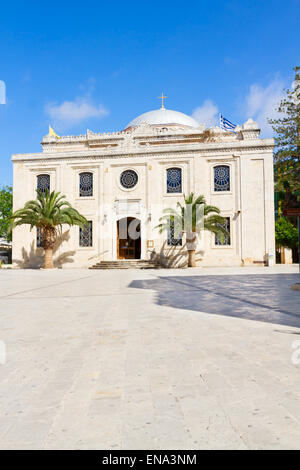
287	140
286	233
6	202
49	211
195	215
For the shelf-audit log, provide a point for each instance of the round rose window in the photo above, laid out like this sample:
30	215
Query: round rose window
128	179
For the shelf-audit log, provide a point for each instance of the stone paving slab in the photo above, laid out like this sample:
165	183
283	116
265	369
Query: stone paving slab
188	359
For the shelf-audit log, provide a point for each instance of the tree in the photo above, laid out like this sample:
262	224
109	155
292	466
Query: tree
192	218
48	212
285	233
287	140
6	202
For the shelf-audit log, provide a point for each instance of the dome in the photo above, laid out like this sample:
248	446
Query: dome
163	116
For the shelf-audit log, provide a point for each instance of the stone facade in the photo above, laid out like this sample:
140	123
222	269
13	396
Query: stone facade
150	150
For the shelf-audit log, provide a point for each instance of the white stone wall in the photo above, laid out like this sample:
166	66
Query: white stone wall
249	203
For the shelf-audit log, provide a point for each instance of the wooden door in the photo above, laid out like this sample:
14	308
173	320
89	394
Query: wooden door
128	248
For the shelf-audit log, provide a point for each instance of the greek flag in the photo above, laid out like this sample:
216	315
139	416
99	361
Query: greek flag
226	125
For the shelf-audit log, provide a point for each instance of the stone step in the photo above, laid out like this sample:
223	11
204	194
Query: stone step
123	264
142	261
125	267
131	260
126	264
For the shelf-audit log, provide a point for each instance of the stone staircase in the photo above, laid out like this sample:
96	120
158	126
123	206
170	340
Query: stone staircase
126	264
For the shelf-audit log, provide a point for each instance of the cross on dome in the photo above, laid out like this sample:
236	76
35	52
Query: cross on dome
162	98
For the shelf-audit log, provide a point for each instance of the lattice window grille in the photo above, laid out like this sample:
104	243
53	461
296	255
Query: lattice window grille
86	235
128	179
222	178
174	180
226	240
43	183
85	184
39	238
172	239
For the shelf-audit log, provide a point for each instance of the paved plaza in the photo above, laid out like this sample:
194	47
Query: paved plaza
150	359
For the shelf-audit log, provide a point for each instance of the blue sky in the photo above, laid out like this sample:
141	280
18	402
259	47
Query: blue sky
94	65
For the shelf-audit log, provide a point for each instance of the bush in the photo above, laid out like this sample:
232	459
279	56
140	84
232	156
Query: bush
286	234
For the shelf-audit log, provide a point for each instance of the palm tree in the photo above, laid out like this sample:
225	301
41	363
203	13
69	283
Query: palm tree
193	217
49	211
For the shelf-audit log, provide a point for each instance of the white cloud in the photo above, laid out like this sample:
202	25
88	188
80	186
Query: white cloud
262	103
206	114
69	113
2	92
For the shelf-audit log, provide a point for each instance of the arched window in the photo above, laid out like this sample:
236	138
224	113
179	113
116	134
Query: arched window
222	178
174	180
43	183
85	184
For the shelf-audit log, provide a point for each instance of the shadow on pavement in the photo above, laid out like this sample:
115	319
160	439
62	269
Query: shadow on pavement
266	298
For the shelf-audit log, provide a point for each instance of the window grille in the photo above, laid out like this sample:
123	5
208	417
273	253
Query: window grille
85	184
174	180
226	240
222	178
43	183
86	235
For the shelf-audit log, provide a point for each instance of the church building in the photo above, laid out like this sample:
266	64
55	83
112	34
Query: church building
132	175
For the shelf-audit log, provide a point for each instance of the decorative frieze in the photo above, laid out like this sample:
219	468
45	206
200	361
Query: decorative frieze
205	150
145	134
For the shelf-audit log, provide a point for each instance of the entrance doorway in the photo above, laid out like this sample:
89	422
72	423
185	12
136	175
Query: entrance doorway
129	238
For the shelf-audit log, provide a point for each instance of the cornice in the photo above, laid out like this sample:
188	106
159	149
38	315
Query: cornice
203	149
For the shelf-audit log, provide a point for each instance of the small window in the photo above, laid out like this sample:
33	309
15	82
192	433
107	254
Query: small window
226	240
222	178
39	238
174	180
86	235
85	184
43	183
172	239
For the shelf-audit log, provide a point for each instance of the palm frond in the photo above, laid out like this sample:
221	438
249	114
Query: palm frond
48	210
193	216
